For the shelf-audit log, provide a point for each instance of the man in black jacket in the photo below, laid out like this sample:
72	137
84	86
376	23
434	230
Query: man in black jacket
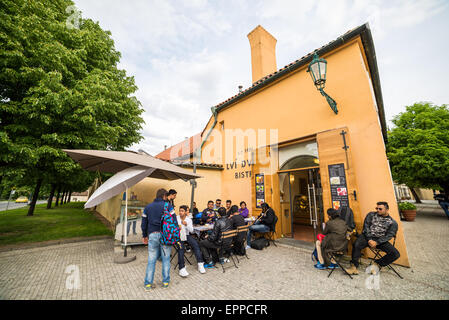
264	223
213	241
378	228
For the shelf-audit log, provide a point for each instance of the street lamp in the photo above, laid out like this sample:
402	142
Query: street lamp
318	69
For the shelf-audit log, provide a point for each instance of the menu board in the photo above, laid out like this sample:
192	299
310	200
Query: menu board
339	189
260	190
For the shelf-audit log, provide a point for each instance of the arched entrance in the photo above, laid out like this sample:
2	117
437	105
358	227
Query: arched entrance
300	191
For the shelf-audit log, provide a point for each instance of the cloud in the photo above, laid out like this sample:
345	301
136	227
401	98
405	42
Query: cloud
187	56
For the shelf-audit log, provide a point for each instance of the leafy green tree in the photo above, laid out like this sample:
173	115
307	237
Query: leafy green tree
418	147
60	87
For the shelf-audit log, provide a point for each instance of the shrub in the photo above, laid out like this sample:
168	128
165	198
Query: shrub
406	206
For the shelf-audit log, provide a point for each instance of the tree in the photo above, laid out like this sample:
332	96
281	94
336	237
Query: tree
60	88
418	147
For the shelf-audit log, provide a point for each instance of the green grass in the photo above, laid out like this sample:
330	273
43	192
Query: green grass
66	221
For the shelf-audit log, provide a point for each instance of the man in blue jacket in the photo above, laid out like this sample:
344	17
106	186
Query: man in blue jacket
151	233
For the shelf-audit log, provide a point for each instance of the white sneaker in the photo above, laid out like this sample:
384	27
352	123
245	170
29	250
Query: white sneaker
247	247
201	267
183	272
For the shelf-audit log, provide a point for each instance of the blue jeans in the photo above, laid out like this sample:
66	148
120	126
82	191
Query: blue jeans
257	227
445	206
156	249
196	249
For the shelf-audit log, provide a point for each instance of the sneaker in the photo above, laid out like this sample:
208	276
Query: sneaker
224	260
320	266
333	266
183	272
149	287
165	284
209	265
247	247
201	267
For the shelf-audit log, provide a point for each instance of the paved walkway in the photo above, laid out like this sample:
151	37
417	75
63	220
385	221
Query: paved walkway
281	272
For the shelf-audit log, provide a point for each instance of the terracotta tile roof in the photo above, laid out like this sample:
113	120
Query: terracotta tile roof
182	149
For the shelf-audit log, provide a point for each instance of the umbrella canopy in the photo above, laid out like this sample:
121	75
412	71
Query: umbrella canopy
117	184
115	161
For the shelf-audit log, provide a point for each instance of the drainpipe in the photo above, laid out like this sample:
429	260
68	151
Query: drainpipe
197	155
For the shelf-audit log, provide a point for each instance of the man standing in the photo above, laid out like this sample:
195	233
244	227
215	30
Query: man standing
378	228
171	196
151	233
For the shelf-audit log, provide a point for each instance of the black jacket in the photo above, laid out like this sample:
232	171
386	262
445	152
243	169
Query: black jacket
389	233
269	219
221	225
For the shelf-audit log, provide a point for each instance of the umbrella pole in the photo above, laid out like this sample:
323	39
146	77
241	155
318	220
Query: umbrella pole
126	221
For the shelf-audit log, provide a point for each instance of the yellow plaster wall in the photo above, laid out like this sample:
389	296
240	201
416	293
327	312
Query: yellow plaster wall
294	107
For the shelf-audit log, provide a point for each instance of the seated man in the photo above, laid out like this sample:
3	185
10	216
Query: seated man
186	229
335	239
378	229
208	215
213	241
237	221
264	223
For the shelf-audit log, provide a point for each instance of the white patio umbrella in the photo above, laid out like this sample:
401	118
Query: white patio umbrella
115	185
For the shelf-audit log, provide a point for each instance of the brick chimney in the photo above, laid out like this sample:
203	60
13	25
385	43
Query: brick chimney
263	53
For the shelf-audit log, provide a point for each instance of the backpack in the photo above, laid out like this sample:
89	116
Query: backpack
260	243
169	228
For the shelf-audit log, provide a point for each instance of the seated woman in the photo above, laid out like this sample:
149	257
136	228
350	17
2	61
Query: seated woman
243	211
186	228
335	239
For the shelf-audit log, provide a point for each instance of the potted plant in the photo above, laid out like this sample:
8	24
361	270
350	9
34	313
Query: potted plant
408	210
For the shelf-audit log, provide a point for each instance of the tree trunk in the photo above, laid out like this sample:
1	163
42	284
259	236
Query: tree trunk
35	196
415	195
57	196
63	197
52	193
70	196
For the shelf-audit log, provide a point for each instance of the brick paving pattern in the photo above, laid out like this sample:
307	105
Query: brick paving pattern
281	272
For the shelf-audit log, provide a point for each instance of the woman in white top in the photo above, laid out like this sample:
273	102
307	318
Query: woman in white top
186	231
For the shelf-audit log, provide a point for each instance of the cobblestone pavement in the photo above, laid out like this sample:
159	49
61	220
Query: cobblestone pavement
281	272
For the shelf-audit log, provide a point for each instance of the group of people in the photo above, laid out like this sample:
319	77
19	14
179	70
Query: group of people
207	248
378	229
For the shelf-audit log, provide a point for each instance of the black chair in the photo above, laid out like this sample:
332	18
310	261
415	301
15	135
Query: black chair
242	232
227	246
177	248
271	234
337	255
377	255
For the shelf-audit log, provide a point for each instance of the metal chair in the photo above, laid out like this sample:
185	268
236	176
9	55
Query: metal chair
378	255
177	248
226	250
337	255
243	231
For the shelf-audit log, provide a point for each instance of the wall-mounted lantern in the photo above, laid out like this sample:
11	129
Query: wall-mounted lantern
318	69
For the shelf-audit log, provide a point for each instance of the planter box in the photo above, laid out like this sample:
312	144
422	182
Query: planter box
409	215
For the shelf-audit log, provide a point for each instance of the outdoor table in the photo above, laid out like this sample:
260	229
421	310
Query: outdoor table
250	220
198	229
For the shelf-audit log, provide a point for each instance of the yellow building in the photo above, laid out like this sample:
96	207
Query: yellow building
280	142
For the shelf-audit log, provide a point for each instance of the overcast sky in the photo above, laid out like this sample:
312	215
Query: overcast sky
187	56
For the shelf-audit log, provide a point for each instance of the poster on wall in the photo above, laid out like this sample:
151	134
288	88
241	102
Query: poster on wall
260	190
339	189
